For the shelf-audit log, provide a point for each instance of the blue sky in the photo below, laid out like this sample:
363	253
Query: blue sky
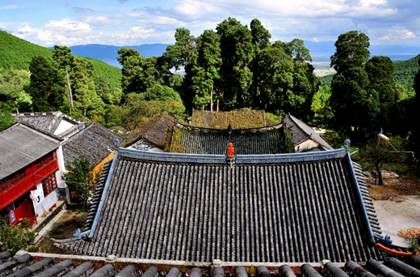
130	22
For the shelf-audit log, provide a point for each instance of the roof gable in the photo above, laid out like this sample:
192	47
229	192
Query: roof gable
53	123
301	132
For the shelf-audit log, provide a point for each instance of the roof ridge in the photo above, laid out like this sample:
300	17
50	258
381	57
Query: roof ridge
37	130
277	125
240	159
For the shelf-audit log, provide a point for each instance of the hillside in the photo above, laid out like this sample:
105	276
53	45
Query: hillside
16	53
404	73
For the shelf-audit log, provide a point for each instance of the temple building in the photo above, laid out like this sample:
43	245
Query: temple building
286	136
54	123
94	142
294	207
31	167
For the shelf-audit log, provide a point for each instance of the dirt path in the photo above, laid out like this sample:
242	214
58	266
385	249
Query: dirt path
62	229
395	216
395	187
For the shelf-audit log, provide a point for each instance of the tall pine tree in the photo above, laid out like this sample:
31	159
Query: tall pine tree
205	82
47	87
353	104
237	52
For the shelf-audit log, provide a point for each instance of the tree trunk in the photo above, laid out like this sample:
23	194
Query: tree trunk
211	100
70	94
379	174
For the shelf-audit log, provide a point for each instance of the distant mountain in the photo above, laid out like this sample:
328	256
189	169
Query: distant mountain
109	53
320	51
16	53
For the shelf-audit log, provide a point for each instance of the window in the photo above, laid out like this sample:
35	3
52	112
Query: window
49	184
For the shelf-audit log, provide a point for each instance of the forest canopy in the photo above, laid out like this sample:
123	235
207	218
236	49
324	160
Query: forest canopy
231	67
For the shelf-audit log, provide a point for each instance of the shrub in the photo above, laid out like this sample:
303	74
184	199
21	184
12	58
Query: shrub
79	179
15	237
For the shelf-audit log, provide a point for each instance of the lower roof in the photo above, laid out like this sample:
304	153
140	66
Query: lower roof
21	145
264	140
265	208
42	264
95	143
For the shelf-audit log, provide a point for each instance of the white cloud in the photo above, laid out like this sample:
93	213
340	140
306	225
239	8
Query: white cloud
195	8
395	35
101	20
67	25
288	8
165	20
69	32
317	20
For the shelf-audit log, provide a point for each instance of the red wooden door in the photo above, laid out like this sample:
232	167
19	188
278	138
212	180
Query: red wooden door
25	209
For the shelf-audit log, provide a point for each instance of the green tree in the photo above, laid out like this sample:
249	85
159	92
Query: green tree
305	85
182	52
63	57
353	105
381	82
260	35
130	62
138	73
161	93
12	89
15	237
296	48
6	118
83	101
416	115
206	76
79	179
47	87
86	102
64	61
181	55
380	151
273	80
237	52
320	108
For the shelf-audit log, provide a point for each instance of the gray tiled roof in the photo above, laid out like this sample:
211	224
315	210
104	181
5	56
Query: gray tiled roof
21	145
301	132
94	142
188	139
48	122
144	145
63	265
301	207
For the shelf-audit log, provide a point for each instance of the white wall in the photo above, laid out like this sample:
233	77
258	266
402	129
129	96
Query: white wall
63	126
42	203
61	168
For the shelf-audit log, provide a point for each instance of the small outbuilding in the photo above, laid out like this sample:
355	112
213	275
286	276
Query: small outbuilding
31	167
